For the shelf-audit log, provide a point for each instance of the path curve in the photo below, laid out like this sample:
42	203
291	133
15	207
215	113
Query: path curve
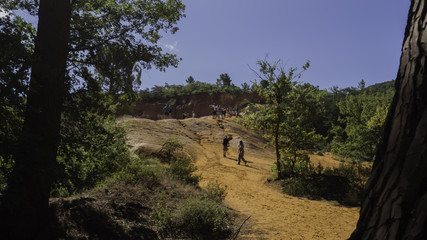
274	215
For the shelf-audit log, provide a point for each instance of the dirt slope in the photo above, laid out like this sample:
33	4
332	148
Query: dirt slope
274	215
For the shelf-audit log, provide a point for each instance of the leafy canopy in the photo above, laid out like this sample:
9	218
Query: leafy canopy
286	117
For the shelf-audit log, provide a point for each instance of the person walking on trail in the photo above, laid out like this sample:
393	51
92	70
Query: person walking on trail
226	144
241	153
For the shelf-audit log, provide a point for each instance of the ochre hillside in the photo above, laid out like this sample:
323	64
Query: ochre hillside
274	215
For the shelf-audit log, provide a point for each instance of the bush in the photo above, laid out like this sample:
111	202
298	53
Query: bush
184	170
169	148
137	172
216	191
92	148
343	184
202	219
162	215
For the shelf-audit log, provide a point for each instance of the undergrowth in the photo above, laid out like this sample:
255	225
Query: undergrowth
343	184
179	209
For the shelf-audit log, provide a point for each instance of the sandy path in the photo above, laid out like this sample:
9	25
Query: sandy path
274	215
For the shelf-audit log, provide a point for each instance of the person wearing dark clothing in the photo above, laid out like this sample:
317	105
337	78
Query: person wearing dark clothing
241	153
225	144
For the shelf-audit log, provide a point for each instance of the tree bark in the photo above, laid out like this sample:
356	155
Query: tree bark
395	201
25	206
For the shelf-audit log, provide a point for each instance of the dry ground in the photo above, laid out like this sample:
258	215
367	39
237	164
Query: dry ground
274	215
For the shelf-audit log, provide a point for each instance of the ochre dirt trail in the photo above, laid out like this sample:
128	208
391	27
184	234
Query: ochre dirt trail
274	215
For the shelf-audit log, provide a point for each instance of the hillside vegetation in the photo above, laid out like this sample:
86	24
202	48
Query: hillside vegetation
273	215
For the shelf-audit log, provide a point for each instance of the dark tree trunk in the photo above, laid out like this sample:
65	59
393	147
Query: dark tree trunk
276	139
395	201
25	205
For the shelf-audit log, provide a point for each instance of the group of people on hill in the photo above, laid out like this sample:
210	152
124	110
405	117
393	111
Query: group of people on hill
241	149
222	112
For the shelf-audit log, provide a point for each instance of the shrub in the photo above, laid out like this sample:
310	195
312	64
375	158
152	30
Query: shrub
137	172
162	215
343	184
92	148
169	148
216	191
184	170
202	219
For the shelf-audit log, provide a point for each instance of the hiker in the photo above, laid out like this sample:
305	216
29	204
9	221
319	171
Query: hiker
241	153
225	144
166	110
213	111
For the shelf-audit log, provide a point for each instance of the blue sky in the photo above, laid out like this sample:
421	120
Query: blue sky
345	40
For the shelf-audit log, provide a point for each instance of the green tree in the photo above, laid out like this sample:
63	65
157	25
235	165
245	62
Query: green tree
246	87
71	37
190	80
286	118
361	118
224	80
25	205
16	38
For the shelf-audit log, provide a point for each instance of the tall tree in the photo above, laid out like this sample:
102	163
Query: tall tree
190	80
26	202
70	38
224	80
395	201
285	119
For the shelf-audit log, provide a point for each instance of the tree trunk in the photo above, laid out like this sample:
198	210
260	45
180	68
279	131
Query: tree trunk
395	201
25	206
277	145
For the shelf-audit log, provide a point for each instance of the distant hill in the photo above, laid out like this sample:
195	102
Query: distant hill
381	87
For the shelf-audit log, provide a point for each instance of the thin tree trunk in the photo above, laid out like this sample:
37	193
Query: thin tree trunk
395	201
276	139
27	198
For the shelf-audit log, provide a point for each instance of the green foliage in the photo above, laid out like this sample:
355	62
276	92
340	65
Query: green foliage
158	93
92	145
119	38
181	167
138	171
216	191
184	170
361	118
202	219
111	42
90	151
224	80
169	148
381	87
162	215
190	80
296	164
343	184
287	119
6	166
16	37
